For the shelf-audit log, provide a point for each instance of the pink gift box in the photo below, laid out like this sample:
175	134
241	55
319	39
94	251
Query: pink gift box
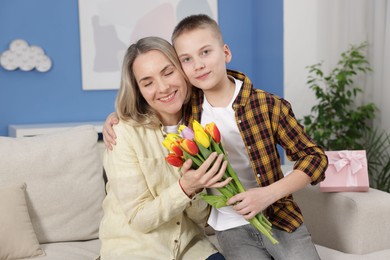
347	171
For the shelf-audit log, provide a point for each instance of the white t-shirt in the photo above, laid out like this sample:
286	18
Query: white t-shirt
226	217
172	128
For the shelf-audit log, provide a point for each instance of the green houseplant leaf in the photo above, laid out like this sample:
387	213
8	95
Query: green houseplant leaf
337	123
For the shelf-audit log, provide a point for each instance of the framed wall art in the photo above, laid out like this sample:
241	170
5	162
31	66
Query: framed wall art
108	27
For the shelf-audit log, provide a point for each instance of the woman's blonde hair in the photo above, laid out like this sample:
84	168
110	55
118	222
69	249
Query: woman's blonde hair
130	105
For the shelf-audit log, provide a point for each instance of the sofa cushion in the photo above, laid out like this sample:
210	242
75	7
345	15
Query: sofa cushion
65	187
350	222
17	239
81	250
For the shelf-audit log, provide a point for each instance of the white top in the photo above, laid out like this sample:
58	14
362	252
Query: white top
226	217
171	128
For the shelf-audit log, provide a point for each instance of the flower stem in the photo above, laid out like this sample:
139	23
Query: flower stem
259	225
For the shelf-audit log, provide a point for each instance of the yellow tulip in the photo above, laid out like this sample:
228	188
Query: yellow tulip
200	135
170	140
181	128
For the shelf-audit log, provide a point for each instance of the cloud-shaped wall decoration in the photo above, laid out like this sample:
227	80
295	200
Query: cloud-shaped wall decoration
24	57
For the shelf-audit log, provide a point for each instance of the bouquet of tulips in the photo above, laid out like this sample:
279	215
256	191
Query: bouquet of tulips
197	145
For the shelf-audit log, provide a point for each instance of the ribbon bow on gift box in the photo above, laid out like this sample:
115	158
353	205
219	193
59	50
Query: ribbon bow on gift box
344	158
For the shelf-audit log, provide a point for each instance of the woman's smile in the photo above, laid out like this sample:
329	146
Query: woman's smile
168	98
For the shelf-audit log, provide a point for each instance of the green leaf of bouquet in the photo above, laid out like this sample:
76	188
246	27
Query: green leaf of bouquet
233	174
217	201
217	147
203	150
233	189
225	191
196	163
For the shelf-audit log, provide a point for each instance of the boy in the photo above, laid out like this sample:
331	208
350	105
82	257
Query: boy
252	122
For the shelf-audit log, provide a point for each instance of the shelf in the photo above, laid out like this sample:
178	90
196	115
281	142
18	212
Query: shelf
39	129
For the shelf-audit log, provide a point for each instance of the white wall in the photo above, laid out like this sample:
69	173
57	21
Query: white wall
315	31
300	50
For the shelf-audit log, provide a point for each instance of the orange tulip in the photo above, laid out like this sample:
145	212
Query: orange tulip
175	147
213	131
189	146
174	160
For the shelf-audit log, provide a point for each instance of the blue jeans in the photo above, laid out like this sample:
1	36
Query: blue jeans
247	243
216	256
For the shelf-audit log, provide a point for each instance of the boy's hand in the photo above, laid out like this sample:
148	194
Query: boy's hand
252	201
109	135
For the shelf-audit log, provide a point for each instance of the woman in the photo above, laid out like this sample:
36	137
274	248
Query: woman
151	210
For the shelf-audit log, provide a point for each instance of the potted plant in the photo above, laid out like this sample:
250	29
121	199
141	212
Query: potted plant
377	145
337	123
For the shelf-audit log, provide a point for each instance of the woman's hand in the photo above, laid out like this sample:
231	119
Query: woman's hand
194	181
109	135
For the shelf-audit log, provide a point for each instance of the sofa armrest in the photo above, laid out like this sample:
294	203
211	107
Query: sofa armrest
351	222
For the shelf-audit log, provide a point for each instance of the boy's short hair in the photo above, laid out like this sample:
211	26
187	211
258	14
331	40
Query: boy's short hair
196	21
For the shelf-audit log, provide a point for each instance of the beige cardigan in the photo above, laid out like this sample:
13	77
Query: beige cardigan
146	214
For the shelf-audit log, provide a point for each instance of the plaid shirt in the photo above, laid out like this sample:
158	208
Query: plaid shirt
265	120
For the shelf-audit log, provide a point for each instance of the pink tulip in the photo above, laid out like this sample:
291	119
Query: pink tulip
186	132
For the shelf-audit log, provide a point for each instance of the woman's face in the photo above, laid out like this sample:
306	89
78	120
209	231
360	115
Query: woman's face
161	84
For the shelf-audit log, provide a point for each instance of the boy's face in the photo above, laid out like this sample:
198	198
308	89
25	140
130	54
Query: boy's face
203	58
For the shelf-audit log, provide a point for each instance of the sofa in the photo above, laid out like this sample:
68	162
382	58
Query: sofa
52	188
347	225
51	191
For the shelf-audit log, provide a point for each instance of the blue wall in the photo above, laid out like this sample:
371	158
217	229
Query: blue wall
252	28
